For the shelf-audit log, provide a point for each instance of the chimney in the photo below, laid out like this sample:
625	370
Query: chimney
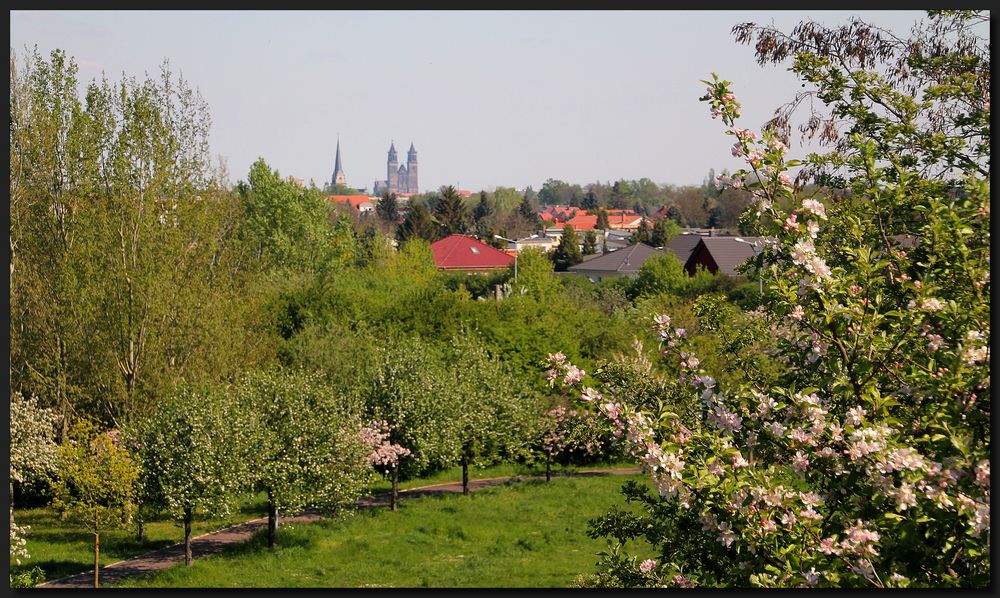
711	232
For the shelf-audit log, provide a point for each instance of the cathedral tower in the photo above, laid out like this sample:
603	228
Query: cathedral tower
392	166
411	170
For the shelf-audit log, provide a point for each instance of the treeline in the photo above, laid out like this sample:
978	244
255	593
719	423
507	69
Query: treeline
700	206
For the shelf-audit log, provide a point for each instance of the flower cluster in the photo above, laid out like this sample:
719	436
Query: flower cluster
383	454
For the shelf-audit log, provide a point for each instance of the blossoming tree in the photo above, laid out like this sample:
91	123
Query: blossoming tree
384	455
194	450
33	457
307	449
866	461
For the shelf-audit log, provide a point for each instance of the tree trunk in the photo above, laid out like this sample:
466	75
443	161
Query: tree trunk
272	519
465	475
395	489
548	468
187	537
140	528
97	557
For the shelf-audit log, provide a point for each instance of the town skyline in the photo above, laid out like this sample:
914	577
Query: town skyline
491	98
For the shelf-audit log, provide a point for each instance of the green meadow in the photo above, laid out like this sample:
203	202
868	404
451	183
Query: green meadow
528	533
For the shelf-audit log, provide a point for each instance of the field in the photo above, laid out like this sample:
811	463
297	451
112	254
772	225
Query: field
522	534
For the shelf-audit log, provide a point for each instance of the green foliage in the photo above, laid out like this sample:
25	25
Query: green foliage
306	451
664	231
418	224
96	480
288	227
642	234
451	213
27	578
660	274
863	460
194	452
567	253
388	207
534	274
589	243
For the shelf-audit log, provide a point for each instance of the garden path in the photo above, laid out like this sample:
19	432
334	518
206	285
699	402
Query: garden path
216	541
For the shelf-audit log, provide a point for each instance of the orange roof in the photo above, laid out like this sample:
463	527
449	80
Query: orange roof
464	192
354	200
581	222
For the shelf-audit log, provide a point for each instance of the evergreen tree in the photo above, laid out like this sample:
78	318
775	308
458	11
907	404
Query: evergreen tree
388	207
663	231
589	243
451	212
602	219
642	234
418	224
567	253
589	201
483	209
674	214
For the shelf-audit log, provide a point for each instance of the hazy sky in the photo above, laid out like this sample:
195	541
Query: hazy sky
489	98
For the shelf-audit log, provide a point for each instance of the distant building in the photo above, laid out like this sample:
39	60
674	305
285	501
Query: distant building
361	203
339	178
296	181
616	264
720	254
399	178
463	253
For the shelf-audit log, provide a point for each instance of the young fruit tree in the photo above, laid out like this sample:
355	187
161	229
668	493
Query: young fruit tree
866	461
384	455
96	482
493	414
306	447
567	434
194	449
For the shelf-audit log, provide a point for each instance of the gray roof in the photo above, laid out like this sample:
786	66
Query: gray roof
629	259
728	252
683	245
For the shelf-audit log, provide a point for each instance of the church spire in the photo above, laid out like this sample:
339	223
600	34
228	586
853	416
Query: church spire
339	178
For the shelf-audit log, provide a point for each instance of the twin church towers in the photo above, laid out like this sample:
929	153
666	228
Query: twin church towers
400	178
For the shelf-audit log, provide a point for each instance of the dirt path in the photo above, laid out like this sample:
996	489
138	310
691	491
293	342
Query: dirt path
216	541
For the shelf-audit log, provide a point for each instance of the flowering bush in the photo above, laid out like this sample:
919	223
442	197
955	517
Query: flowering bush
384	455
866	461
569	435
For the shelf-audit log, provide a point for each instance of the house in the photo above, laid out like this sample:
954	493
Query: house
616	264
721	254
360	203
542	242
463	253
682	245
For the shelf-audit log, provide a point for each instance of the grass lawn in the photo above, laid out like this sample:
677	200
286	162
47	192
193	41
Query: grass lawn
523	534
62	548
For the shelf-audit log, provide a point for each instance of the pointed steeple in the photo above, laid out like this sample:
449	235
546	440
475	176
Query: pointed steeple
339	178
392	151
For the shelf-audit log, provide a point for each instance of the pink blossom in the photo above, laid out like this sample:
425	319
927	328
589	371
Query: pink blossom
811	205
647	565
799	462
726	534
573	375
590	395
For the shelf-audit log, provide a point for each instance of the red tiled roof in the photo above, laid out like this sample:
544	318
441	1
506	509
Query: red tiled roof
581	222
461	252
354	200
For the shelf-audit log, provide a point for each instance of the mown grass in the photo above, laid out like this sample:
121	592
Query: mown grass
522	534
63	548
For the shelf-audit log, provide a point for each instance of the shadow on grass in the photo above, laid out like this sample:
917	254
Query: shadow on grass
54	569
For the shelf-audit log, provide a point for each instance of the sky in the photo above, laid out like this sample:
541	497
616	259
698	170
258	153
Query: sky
488	98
